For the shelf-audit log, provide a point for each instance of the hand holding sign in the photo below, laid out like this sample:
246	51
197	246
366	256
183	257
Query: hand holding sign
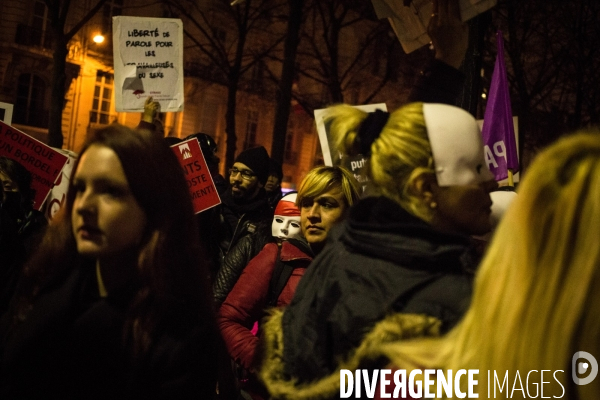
151	108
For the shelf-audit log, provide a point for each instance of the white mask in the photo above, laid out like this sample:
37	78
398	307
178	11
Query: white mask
286	227
456	145
286	222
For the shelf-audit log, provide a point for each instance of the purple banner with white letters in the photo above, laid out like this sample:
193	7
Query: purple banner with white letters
498	131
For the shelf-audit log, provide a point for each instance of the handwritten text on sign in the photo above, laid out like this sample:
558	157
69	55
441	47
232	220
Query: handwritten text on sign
199	181
148	59
42	161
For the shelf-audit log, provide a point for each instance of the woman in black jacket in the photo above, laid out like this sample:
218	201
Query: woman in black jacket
115	303
406	250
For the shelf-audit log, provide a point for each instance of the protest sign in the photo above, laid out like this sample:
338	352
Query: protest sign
331	156
148	61
57	196
6	111
44	163
200	183
409	20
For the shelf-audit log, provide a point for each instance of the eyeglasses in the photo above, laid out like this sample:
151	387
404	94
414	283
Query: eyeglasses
247	175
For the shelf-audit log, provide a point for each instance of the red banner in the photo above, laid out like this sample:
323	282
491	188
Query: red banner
41	160
200	182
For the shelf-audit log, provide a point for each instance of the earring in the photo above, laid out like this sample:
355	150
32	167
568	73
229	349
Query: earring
433	205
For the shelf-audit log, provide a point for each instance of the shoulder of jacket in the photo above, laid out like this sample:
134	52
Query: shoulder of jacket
290	252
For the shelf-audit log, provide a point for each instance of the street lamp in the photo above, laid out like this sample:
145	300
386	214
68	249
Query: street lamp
98	38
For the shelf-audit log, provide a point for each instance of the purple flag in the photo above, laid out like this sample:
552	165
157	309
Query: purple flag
498	131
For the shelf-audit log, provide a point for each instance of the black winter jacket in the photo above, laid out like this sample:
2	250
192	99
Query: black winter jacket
238	220
71	346
381	260
238	257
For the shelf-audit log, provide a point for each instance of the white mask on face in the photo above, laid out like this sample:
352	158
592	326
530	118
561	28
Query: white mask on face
456	145
286	222
286	227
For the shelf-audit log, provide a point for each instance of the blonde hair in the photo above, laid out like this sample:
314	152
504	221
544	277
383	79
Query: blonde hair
537	294
321	179
398	156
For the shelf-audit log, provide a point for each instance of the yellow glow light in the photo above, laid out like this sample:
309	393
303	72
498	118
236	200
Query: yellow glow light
98	39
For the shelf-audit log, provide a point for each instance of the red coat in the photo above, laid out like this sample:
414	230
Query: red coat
247	300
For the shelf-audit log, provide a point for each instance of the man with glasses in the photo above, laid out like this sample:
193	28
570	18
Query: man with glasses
244	204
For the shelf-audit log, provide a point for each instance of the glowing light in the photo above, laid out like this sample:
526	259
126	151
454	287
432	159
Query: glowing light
98	39
483	95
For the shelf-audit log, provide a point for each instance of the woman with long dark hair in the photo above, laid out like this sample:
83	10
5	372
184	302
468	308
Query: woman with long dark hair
115	303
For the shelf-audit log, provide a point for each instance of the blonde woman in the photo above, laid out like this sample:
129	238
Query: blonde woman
406	249
270	279
537	295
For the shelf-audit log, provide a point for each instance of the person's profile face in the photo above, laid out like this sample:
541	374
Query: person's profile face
464	209
244	182
106	219
8	185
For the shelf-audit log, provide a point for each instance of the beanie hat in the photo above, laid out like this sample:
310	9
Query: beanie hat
257	159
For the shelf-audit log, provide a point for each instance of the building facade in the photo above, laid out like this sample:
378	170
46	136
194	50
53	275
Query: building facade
26	51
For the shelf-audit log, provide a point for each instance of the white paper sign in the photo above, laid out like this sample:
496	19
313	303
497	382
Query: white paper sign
148	58
410	22
6	111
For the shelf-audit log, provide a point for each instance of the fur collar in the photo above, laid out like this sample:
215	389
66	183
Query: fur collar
393	328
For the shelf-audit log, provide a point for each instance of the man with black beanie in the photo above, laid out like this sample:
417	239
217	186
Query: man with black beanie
244	204
249	173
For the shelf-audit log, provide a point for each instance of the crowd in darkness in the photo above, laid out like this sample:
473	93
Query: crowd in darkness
127	293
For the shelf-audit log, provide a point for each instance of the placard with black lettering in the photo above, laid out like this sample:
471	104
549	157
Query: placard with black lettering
200	183
44	163
148	61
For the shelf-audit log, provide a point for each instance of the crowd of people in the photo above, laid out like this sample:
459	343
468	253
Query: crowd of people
129	294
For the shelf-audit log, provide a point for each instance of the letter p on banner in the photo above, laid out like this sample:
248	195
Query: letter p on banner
497	121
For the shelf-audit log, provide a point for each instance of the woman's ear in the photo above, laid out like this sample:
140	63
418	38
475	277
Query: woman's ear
423	187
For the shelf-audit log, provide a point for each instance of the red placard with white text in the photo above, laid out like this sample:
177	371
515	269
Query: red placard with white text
41	160
200	183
